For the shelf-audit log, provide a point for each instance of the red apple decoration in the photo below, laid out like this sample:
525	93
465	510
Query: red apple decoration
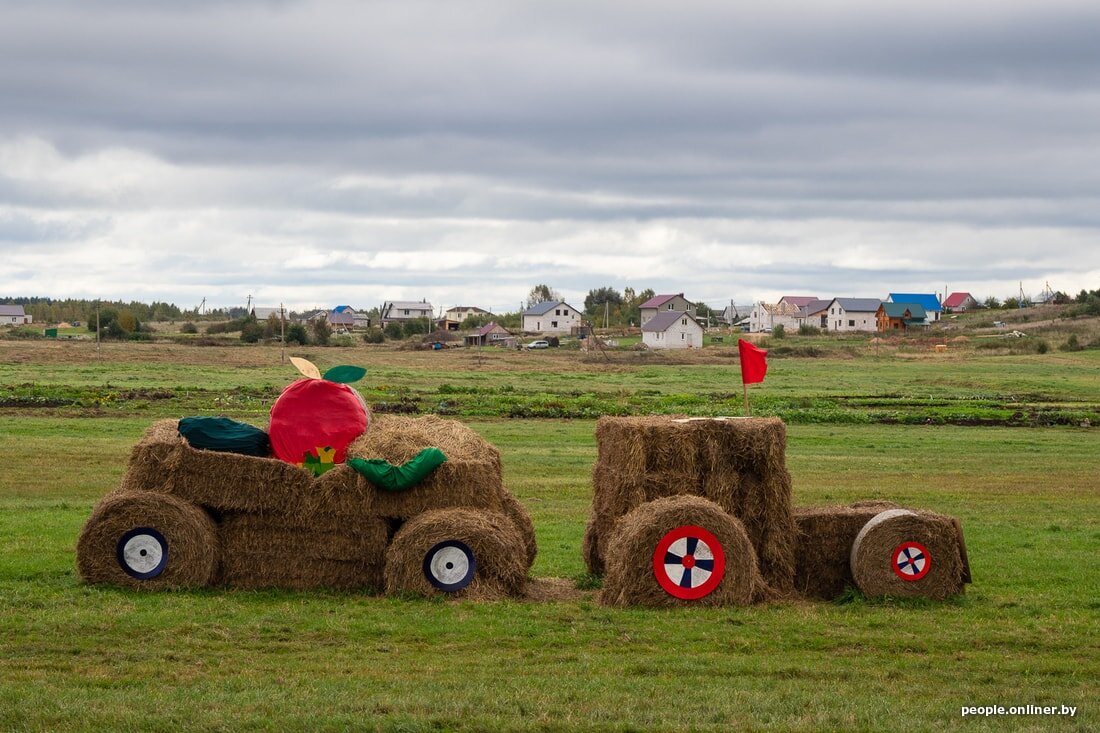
315	419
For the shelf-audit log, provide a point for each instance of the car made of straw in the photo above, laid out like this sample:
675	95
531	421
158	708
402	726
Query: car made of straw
700	511
189	517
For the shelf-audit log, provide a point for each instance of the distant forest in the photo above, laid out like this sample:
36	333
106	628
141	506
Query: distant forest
52	310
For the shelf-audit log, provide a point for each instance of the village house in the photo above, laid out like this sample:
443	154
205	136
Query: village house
798	301
491	334
766	316
900	316
551	316
14	315
815	313
672	330
665	303
960	303
733	315
929	301
453	317
404	311
263	313
853	314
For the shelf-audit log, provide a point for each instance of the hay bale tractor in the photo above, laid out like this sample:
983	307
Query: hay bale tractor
189	517
699	511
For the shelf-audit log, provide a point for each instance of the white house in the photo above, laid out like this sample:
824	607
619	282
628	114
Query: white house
766	316
263	313
665	304
798	301
402	311
551	316
13	315
672	330
460	313
853	314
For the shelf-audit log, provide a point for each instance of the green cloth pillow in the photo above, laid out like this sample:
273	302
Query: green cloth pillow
225	435
388	477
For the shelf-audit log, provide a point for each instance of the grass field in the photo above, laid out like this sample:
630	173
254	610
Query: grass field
1026	632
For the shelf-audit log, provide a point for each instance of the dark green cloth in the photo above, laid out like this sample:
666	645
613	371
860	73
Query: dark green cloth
388	477
225	435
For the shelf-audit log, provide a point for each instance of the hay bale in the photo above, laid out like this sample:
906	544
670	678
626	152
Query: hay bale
515	511
630	578
471	477
163	461
824	548
739	464
593	555
189	551
498	551
937	562
275	551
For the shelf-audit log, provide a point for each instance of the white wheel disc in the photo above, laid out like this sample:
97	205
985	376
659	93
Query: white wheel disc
142	553
450	566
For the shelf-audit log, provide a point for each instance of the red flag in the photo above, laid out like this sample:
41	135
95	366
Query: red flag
754	365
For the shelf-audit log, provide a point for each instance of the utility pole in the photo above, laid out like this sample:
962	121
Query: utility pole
97	328
248	306
606	307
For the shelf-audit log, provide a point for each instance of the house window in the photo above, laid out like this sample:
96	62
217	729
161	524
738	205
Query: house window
832	311
684	322
557	312
681	337
406	311
670	306
851	324
553	324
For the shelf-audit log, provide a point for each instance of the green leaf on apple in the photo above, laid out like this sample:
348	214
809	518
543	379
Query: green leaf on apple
345	374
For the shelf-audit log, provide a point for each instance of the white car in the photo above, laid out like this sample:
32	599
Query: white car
540	344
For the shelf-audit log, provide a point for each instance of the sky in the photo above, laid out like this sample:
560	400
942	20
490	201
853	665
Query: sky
323	153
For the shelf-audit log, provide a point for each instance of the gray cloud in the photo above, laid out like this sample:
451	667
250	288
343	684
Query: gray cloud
732	151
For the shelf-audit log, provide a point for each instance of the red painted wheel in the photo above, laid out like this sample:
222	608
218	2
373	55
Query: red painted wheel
689	562
911	561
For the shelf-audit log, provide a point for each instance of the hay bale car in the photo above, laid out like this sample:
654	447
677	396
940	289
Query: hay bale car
184	517
699	511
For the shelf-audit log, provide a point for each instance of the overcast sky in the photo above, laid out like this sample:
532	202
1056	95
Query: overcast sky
318	153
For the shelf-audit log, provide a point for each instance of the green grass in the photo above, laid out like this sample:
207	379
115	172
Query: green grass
74	657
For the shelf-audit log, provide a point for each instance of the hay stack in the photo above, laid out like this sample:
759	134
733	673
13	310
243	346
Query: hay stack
875	545
739	464
272	552
825	537
512	509
163	461
471	477
500	557
630	579
193	554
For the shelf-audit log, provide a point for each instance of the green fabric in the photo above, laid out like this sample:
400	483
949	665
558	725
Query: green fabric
388	477
225	435
344	374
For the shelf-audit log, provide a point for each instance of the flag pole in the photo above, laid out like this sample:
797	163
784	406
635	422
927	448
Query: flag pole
748	410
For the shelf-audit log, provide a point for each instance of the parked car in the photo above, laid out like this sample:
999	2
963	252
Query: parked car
540	344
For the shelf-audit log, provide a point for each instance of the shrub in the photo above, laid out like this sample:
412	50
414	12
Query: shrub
296	334
374	336
216	328
189	328
321	332
1071	344
252	332
778	331
1042	347
394	331
805	329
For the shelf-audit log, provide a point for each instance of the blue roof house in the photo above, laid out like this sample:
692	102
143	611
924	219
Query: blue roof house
929	301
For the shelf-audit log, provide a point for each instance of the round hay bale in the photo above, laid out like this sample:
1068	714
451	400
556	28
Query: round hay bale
148	540
908	554
515	511
651	552
468	553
